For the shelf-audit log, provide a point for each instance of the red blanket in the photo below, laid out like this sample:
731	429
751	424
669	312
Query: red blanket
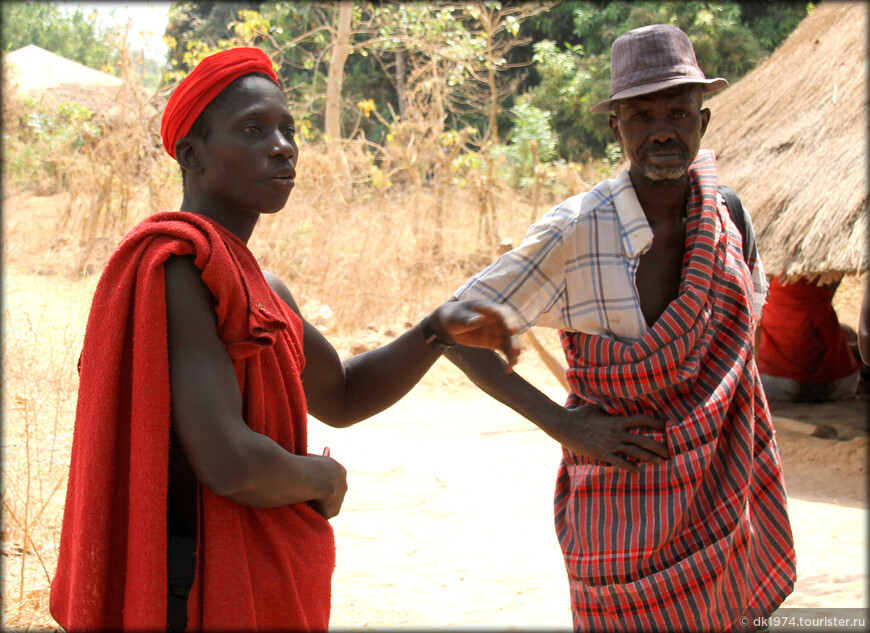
703	540
256	568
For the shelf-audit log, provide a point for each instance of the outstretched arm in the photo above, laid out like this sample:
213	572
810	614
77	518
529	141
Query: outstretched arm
225	454
585	430
341	393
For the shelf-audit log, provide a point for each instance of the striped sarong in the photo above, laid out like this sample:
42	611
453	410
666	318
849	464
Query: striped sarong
701	541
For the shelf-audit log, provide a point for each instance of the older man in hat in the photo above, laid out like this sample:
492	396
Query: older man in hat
670	507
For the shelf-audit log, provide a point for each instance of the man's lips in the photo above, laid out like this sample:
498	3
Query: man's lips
664	157
665	153
285	177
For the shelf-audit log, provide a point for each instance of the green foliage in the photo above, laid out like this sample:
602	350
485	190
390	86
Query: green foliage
532	143
572	82
75	35
446	58
772	21
613	154
195	25
574	74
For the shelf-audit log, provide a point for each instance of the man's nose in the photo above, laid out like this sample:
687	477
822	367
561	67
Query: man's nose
662	130
281	145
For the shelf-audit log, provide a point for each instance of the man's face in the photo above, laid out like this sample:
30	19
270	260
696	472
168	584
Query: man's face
661	132
250	152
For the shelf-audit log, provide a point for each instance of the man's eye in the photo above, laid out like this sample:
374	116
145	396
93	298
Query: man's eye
250	129
289	132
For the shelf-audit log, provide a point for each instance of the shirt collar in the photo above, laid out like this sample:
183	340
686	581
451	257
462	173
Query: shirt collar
637	236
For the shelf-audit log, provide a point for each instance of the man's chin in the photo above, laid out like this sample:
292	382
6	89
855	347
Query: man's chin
665	175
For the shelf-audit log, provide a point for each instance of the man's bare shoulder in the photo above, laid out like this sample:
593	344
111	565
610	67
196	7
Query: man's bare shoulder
280	289
188	298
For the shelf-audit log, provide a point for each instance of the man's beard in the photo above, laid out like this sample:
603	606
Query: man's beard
662	172
654	172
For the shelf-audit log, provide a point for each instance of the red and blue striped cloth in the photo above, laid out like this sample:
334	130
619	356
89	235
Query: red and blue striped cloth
702	540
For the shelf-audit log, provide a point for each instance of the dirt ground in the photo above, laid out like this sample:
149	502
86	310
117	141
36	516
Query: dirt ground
448	518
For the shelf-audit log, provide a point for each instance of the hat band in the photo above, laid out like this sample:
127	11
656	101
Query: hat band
641	77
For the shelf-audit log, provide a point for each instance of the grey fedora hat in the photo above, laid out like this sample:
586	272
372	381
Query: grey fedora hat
650	59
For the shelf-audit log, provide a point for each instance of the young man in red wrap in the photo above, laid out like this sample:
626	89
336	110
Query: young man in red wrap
193	501
669	507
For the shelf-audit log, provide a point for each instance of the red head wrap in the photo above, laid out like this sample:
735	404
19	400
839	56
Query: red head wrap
203	84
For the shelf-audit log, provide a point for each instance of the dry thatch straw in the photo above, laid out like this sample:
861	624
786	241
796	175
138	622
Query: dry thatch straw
791	139
38	69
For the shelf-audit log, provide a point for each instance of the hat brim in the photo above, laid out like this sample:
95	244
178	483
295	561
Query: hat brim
710	85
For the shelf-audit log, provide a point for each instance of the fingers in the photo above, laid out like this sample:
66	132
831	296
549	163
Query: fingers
634	421
468	315
480	324
647	448
501	312
511	349
652	452
619	462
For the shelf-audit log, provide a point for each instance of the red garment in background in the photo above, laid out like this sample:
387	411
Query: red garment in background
801	337
256	568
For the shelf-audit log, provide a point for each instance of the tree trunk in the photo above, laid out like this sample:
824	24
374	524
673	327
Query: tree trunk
400	80
340	50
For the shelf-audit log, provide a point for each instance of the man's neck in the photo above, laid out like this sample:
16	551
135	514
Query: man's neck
661	200
239	224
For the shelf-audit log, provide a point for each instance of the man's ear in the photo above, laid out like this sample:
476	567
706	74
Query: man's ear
614	127
186	154
705	120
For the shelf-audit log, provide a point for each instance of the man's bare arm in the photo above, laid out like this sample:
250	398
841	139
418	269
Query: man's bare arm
225	454
341	393
585	430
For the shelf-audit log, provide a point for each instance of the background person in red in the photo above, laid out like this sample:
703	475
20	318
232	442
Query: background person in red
192	498
803	352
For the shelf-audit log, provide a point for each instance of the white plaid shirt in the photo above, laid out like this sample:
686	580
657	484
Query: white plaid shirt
575	269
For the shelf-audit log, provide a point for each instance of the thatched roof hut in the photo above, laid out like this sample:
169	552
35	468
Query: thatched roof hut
38	69
39	73
791	139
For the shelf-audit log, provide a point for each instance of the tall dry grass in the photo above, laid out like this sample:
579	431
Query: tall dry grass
386	255
43	324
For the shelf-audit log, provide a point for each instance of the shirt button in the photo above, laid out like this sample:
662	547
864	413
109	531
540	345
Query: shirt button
615	319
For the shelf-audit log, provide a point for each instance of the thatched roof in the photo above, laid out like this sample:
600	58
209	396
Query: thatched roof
791	139
35	68
50	78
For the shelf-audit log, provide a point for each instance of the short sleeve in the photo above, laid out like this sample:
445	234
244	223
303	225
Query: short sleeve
530	278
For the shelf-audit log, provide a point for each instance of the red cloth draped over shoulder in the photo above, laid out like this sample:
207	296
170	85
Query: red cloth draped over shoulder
256	568
801	338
